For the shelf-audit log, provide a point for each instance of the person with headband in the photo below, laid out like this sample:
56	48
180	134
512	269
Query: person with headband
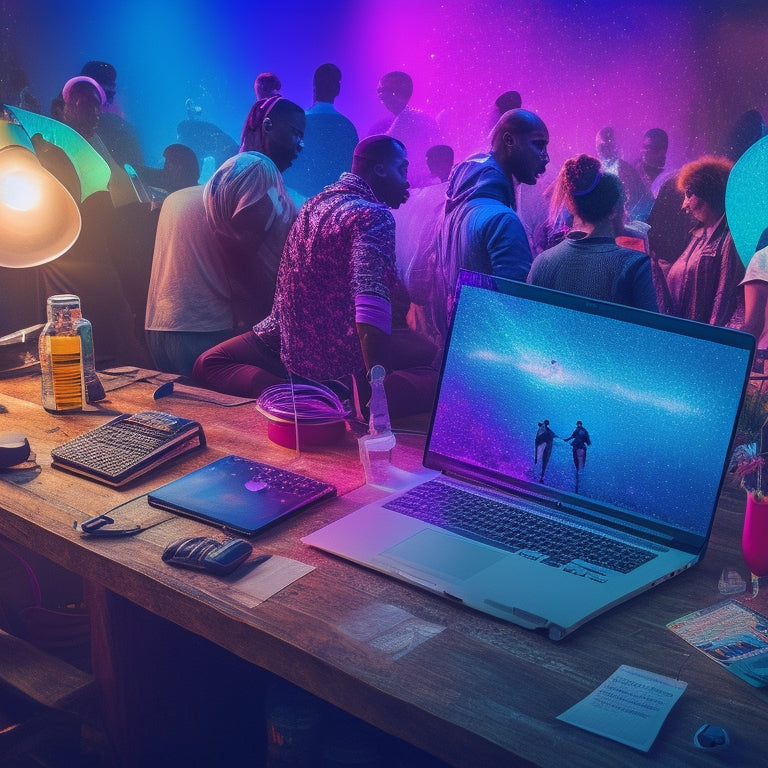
339	307
84	100
588	260
275	127
218	247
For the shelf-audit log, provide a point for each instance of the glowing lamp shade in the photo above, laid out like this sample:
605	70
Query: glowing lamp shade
39	219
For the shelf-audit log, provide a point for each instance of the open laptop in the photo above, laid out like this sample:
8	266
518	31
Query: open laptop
615	512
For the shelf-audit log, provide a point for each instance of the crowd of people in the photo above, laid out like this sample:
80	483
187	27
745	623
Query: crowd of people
302	254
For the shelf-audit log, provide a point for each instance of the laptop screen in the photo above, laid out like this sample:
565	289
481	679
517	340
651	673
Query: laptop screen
617	410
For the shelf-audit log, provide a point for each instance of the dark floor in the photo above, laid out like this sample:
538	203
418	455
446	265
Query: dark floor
352	744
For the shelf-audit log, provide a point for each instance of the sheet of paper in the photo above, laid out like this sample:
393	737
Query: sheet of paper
268	579
249	587
629	707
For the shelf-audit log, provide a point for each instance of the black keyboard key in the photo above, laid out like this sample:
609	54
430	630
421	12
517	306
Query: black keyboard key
517	530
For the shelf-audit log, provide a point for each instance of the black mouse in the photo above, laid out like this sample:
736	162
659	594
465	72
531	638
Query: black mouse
204	554
14	448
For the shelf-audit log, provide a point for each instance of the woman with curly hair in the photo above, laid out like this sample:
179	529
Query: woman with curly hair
588	261
703	283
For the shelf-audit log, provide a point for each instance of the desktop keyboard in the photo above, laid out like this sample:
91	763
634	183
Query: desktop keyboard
128	446
514	529
112	449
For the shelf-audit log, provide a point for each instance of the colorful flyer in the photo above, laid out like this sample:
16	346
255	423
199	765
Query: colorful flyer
733	635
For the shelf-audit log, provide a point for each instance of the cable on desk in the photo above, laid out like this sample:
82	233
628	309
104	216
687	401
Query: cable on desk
305	403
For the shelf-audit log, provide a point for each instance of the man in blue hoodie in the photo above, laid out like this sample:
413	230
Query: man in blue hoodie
480	229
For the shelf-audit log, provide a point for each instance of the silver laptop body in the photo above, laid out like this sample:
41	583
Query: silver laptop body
658	398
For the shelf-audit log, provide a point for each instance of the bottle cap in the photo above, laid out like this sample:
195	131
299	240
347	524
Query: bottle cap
64	301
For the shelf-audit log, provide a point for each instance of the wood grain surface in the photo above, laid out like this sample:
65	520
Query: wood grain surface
479	693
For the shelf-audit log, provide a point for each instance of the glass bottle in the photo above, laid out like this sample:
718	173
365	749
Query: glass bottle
61	358
376	447
94	390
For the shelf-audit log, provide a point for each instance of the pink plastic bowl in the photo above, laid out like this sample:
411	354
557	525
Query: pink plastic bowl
311	435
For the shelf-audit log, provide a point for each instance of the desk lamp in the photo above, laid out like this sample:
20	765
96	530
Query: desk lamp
91	168
39	219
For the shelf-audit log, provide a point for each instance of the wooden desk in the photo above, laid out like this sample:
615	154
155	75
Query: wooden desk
480	693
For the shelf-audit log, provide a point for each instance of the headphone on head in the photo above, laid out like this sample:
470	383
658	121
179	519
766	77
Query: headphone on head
266	106
258	120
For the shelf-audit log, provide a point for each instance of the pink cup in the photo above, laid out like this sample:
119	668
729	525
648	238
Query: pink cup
754	537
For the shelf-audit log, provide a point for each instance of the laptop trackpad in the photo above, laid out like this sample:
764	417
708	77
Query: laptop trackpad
442	554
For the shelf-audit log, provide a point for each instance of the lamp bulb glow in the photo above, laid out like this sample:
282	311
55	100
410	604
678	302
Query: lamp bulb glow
39	219
18	190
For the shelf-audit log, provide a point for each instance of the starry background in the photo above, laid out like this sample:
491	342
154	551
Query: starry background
659	407
689	66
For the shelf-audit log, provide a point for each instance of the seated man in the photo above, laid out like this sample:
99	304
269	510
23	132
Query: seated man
335	310
218	248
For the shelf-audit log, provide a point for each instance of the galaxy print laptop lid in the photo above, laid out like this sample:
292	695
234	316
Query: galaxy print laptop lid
596	416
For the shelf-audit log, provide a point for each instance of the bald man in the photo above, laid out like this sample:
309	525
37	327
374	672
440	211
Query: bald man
480	229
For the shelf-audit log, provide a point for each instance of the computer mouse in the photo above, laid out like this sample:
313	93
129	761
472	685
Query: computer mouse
14	448
205	554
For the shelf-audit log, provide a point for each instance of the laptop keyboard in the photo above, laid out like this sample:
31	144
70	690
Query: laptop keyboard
284	481
517	530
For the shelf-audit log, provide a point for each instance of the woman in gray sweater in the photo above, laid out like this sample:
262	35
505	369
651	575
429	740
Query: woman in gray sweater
588	261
